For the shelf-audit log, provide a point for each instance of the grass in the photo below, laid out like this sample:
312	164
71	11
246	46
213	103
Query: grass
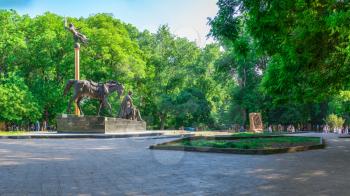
10	133
249	134
251	143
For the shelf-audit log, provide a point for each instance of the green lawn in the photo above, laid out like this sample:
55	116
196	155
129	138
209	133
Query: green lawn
9	133
249	134
251	143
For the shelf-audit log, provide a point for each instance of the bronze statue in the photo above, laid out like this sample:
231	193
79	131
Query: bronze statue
128	110
85	88
78	37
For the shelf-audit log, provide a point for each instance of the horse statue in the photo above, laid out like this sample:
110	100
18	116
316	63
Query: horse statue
87	88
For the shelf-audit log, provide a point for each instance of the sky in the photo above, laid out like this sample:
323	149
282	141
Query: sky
186	18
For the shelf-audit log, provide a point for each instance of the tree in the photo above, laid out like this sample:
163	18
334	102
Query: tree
48	62
12	42
175	82
192	108
306	42
17	104
334	121
167	63
242	61
340	105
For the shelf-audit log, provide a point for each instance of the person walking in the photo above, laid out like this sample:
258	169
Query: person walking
270	128
37	126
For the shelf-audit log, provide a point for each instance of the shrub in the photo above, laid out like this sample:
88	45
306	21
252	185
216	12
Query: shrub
334	121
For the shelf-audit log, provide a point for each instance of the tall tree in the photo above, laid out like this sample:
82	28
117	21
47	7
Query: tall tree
305	40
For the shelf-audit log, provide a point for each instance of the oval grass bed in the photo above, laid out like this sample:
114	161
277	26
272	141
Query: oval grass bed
244	145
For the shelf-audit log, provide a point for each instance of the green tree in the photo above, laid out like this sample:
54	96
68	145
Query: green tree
12	42
306	41
243	62
334	121
48	63
167	60
174	81
17	104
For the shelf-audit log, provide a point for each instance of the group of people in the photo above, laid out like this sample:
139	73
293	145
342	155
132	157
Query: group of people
36	126
280	128
325	128
338	130
44	126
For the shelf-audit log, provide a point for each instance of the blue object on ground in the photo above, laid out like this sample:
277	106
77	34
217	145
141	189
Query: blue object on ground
190	129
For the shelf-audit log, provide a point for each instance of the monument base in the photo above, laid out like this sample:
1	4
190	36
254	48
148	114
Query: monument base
257	130
94	124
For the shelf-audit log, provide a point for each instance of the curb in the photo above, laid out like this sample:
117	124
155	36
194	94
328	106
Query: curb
165	146
77	136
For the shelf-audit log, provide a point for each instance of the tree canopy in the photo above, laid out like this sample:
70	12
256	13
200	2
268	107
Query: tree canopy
306	42
172	78
300	49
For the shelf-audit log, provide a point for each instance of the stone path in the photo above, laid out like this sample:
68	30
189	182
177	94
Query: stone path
127	167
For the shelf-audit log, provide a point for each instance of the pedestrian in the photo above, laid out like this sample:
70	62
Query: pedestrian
44	128
270	128
37	126
292	128
325	129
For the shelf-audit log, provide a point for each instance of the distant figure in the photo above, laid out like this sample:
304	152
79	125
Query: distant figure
32	127
292	128
242	129
37	126
346	130
326	129
270	128
340	130
280	128
44	127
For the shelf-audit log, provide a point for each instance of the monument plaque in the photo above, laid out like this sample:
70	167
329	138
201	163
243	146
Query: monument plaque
256	124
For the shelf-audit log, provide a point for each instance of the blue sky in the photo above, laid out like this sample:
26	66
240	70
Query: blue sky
186	18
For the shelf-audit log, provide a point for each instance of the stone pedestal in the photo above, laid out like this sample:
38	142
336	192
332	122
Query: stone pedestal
94	124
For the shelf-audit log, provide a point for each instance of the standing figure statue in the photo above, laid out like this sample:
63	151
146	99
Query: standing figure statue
78	37
128	110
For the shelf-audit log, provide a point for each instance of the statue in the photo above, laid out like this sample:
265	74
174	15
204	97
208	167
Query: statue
78	37
85	88
128	110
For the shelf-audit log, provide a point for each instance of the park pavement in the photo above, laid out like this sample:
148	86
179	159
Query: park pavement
127	167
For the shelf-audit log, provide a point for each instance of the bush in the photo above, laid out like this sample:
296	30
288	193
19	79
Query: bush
334	121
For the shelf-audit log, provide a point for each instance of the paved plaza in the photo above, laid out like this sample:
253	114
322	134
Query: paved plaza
127	167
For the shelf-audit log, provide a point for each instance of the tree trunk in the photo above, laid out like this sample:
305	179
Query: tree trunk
162	121
244	117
